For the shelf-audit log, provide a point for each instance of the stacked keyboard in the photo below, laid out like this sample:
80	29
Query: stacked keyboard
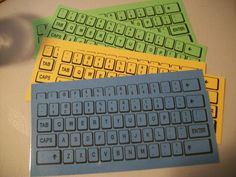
122	123
121	88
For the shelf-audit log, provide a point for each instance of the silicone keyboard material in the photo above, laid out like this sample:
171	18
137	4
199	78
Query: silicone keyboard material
166	16
121	123
60	60
74	25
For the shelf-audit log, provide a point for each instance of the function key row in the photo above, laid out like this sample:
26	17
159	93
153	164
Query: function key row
187	85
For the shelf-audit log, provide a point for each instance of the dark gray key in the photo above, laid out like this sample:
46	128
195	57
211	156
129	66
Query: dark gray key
142	151
112	106
154	88
175	85
182	132
64	94
190	85
111	137
46	140
80	155
177	148
88	107
175	117
170	133
169	102
132	90
147	104
98	92
180	103
164	118
70	124
154	150
141	120
124	136
159	134
197	147
68	156
65	109
135	135
58	124
94	123
129	120
82	123
106	122
87	93
41	96
87	139
165	149
117	152
124	106
63	140
158	103
42	110
77	108
147	135
186	116
52	95
199	115
53	109
75	93
152	118
118	121
93	155
105	154
197	131
129	152
135	105
195	101
165	87
99	138
121	90
75	139
100	107
143	89
44	125
49	157
109	91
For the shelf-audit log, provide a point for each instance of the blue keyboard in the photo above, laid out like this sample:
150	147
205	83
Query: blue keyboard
123	123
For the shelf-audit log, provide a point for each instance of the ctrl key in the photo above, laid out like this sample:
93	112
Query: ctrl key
48	157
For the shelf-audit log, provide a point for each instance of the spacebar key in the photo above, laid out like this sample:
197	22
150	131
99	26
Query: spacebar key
197	147
48	157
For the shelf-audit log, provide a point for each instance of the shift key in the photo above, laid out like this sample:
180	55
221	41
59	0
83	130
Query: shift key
197	147
193	50
48	157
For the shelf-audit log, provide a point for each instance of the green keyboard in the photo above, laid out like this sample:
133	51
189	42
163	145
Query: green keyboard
166	16
74	25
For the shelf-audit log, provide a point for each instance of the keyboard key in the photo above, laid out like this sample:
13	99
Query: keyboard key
44	125
178	29
197	147
165	149
197	131
80	155
68	156
117	153
130	152
49	157
153	150
87	139
63	140
190	85
142	151
42	110
47	140
93	155
75	139
177	148
199	115
105	154
195	101
99	138
58	124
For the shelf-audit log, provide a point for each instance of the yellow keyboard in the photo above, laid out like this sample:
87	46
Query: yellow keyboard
60	60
